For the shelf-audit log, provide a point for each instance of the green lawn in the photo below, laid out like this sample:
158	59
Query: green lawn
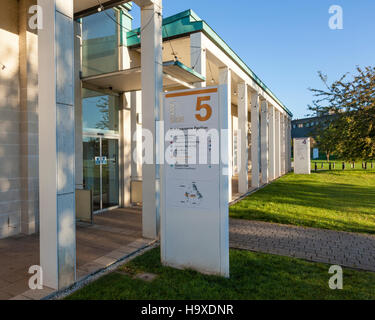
337	200
253	276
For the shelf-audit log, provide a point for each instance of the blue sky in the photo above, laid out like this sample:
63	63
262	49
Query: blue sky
286	42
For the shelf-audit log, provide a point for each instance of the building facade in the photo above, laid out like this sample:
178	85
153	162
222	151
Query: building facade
75	96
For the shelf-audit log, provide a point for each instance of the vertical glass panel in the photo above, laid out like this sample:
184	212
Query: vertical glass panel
91	168
100	112
110	173
100	43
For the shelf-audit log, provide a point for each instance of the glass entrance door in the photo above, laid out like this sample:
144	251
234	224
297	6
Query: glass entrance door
101	171
110	173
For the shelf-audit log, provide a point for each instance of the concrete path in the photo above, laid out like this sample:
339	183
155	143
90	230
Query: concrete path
346	249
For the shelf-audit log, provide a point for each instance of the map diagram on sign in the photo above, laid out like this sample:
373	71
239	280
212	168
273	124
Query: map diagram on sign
188	195
192	195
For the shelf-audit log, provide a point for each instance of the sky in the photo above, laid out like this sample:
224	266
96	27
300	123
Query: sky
287	42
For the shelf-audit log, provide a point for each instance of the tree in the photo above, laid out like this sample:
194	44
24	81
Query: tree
326	137
352	101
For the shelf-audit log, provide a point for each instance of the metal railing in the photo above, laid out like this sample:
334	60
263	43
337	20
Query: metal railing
331	165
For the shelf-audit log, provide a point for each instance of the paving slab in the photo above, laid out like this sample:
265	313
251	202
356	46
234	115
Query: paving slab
346	249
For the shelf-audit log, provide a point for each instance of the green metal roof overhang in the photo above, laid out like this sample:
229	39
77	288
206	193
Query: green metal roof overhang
175	76
188	22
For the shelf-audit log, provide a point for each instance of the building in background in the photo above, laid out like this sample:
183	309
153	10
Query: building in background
305	128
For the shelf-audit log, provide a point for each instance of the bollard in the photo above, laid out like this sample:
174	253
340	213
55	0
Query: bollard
353	165
343	166
330	166
334	165
316	167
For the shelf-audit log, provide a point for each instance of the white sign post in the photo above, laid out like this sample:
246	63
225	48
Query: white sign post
302	163
194	197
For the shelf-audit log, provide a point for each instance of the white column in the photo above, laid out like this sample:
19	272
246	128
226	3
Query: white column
290	145
264	141
286	143
152	86
198	56
125	149
56	143
277	145
225	80
282	143
272	139
136	134
78	106
243	127
126	128
255	140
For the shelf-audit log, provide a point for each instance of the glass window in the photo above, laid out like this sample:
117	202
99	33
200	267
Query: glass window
100	43
100	112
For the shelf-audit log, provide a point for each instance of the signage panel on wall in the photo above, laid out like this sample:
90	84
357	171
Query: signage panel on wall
194	201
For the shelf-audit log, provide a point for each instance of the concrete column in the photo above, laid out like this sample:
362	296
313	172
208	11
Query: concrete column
282	143
56	143
243	128
264	141
286	144
290	145
255	140
136	134
272	140
28	126
277	145
78	105
152	86
198	56
225	80
125	150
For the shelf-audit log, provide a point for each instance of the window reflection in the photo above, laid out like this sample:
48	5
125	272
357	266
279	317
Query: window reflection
100	43
100	112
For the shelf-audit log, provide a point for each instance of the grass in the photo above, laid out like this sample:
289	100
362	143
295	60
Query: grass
253	276
336	200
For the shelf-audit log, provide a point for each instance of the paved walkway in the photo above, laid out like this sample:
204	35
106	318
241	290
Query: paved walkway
114	235
333	247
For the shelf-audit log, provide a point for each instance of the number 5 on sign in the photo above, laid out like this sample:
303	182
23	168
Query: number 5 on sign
206	107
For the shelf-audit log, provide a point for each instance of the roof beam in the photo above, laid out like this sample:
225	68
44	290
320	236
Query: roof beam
94	9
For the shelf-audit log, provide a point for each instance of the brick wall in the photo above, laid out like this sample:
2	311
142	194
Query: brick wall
18	120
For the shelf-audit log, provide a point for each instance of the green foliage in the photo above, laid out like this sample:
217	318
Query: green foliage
351	132
326	134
